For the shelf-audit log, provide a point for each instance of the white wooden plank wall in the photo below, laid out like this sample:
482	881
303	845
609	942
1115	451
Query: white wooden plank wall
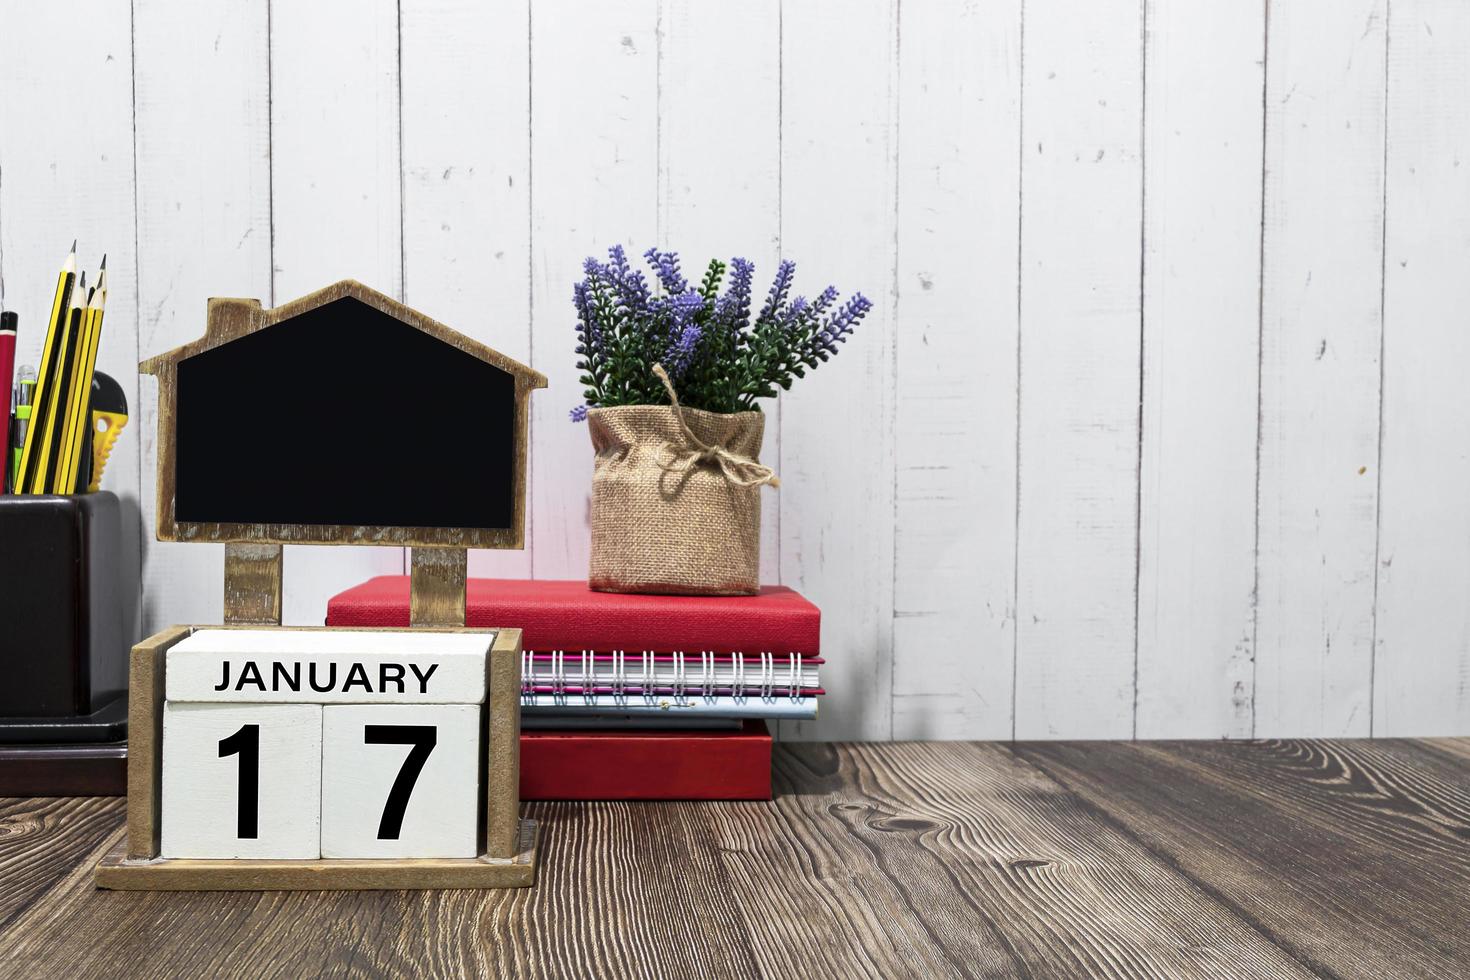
839	115
1321	308
1201	327
1158	427
1423	626
954	627
1077	528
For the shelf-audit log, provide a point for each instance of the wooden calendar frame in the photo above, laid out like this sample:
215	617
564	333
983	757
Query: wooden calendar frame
508	858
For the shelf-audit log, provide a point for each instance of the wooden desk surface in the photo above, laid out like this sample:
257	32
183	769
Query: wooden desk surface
913	859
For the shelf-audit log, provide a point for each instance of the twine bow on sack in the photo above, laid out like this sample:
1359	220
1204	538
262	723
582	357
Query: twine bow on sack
742	471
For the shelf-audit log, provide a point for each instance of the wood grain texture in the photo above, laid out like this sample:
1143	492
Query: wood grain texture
204	229
1421	679
145	740
1321	298
1349	855
959	199
839	144
436	591
503	745
115	872
466	113
1076	551
1204	78
921	859
253	583
43	836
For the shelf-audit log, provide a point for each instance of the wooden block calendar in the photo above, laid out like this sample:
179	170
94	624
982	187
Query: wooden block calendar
263	757
400	795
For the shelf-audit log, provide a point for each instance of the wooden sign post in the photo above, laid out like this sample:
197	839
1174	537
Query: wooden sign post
263	757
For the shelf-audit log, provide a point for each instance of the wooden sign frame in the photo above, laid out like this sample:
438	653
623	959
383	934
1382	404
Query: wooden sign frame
231	319
508	859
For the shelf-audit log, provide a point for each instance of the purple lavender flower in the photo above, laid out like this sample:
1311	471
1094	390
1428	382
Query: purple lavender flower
619	265
681	351
685	305
780	286
684	333
733	308
721	356
795	314
629	283
590	339
837	328
666	265
828	297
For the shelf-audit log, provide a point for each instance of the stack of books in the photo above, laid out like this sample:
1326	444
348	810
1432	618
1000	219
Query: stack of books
638	696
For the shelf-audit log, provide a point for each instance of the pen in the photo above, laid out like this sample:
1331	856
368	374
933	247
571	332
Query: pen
8	321
25	390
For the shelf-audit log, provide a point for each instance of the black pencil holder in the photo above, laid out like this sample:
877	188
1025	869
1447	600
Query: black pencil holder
62	649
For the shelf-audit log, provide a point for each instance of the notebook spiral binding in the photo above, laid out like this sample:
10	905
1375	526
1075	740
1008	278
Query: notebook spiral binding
774	676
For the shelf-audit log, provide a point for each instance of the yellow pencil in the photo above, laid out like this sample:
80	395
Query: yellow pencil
50	354
67	414
48	452
48	464
78	414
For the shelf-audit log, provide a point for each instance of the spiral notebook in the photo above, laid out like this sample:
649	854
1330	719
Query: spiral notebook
646	672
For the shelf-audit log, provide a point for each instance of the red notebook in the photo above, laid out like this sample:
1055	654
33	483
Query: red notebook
569	616
652	765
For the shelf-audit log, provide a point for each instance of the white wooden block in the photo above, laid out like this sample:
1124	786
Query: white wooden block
328	667
241	780
400	781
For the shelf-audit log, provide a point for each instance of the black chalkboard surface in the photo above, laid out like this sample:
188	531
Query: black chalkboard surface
344	415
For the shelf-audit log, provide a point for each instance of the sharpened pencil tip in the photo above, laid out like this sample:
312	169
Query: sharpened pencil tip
104	260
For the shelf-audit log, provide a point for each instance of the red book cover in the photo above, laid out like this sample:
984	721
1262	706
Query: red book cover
556	615
650	765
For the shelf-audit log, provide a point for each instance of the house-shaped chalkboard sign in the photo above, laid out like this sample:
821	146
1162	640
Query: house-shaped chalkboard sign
342	417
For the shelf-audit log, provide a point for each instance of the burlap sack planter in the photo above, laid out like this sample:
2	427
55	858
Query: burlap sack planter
676	508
